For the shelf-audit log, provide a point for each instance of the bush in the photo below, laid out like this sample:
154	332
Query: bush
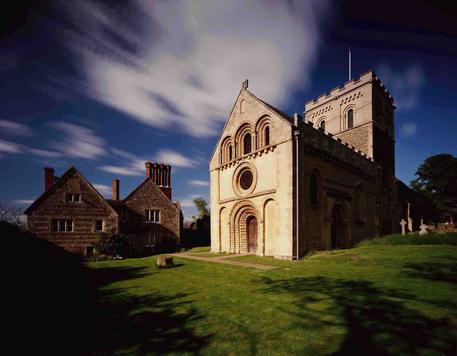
433	238
110	245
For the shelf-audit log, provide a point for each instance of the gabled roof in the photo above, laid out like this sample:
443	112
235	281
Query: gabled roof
156	187
286	118
58	183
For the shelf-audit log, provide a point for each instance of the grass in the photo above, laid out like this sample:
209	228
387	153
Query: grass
373	299
449	238
200	249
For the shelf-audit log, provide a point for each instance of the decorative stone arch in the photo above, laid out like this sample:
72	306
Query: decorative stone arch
263	128
227	151
268	223
320	121
240	139
241	213
242	106
344	116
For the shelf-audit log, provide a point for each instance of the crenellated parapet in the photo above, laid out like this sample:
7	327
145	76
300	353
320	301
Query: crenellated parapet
324	144
325	100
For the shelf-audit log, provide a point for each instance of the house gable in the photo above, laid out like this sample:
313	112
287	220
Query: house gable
147	193
72	181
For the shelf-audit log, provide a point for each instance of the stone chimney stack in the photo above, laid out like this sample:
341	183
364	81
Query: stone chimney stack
161	176
48	178
148	169
115	189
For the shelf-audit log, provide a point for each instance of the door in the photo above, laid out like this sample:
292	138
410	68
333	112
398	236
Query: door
252	234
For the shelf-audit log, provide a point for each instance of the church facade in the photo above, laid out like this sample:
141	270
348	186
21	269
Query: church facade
282	186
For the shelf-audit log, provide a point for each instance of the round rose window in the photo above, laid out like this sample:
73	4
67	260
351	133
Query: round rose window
246	179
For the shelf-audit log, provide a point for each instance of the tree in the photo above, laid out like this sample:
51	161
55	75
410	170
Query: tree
436	184
201	205
12	215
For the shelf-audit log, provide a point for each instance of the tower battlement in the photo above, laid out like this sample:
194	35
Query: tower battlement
335	93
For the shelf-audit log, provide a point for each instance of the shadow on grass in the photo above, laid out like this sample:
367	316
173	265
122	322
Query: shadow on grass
56	305
376	320
437	271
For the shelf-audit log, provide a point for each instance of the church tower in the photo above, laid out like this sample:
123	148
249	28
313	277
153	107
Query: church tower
360	113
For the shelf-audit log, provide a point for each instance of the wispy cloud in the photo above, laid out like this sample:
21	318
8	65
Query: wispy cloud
122	171
10	147
134	165
408	129
44	153
200	183
180	63
175	159
22	201
103	189
78	141
405	86
15	128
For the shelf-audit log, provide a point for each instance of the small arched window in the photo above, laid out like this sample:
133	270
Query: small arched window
350	119
313	190
230	153
267	136
247	143
322	125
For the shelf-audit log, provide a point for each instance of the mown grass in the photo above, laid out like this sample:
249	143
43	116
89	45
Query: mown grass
373	299
200	249
449	238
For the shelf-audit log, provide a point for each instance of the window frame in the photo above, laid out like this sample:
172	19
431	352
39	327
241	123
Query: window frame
72	200
155	213
350	111
103	225
245	136
67	224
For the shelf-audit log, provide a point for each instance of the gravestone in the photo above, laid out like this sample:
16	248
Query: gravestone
423	228
165	262
403	225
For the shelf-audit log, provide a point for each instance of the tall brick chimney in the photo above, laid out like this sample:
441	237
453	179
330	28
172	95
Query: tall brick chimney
115	186
161	175
48	178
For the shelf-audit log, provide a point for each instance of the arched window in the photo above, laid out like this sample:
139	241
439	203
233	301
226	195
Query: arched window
360	204
247	143
226	150
267	136
322	125
242	106
313	190
350	119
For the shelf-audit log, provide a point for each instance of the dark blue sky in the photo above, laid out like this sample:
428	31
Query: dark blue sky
105	88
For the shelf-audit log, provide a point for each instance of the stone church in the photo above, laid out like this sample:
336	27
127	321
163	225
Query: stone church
282	186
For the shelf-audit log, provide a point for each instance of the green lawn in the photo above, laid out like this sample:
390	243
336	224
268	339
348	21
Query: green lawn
367	300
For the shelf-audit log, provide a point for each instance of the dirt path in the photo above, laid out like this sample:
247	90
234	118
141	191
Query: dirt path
223	260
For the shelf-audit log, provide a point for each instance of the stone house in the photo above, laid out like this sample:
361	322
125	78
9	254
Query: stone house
72	213
282	186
